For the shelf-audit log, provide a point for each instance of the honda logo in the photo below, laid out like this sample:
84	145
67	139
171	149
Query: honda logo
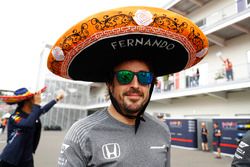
111	151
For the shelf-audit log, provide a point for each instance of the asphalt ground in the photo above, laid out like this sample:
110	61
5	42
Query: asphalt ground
49	148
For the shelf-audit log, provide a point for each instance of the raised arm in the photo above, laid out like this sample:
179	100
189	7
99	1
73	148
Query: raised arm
221	58
49	105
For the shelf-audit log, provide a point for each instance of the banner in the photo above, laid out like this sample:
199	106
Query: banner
183	132
232	131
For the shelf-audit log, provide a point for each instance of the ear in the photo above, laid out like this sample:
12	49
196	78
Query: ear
109	87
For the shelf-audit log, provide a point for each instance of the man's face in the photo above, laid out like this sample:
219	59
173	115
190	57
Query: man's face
28	106
215	126
131	97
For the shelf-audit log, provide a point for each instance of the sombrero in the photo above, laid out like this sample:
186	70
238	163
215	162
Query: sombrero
89	50
19	95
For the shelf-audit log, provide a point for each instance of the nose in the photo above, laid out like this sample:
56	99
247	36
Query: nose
135	83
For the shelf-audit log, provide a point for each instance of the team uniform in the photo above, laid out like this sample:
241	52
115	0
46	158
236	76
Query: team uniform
217	138
102	141
242	154
23	136
203	136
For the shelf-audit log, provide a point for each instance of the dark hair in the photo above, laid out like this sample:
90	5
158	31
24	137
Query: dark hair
160	115
20	105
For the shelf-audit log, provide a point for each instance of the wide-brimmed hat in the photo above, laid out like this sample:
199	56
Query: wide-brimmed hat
89	50
19	95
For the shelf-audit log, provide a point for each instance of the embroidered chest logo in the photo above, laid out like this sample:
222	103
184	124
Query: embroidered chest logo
64	148
111	150
243	144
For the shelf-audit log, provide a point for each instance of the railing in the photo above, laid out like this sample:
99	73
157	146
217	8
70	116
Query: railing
97	99
221	14
208	78
73	92
187	79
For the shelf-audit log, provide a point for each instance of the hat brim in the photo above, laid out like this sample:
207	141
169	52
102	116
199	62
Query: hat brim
90	49
19	98
96	67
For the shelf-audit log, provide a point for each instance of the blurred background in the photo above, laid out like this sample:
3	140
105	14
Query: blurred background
215	90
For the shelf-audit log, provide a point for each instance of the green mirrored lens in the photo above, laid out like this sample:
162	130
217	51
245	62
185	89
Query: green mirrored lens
125	77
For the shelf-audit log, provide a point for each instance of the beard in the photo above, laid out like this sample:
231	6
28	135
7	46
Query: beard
132	107
132	111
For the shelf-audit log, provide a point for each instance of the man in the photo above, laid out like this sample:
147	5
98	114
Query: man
165	82
197	77
127	48
204	134
228	68
217	136
24	128
171	82
242	154
160	116
117	128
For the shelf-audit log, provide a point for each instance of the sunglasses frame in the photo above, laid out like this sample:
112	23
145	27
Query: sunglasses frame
137	75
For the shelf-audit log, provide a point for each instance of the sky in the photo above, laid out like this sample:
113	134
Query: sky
28	25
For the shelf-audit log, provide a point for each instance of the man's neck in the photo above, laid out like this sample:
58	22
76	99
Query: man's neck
25	110
112	111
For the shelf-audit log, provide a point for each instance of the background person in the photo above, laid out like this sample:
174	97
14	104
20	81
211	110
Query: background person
24	128
217	136
197	76
204	136
228	68
160	116
165	82
158	86
171	82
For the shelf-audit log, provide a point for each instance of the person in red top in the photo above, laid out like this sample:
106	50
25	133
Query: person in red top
228	68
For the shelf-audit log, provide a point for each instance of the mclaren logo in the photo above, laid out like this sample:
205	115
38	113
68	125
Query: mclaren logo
111	151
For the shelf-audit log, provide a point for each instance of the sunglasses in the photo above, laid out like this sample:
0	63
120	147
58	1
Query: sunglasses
125	77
